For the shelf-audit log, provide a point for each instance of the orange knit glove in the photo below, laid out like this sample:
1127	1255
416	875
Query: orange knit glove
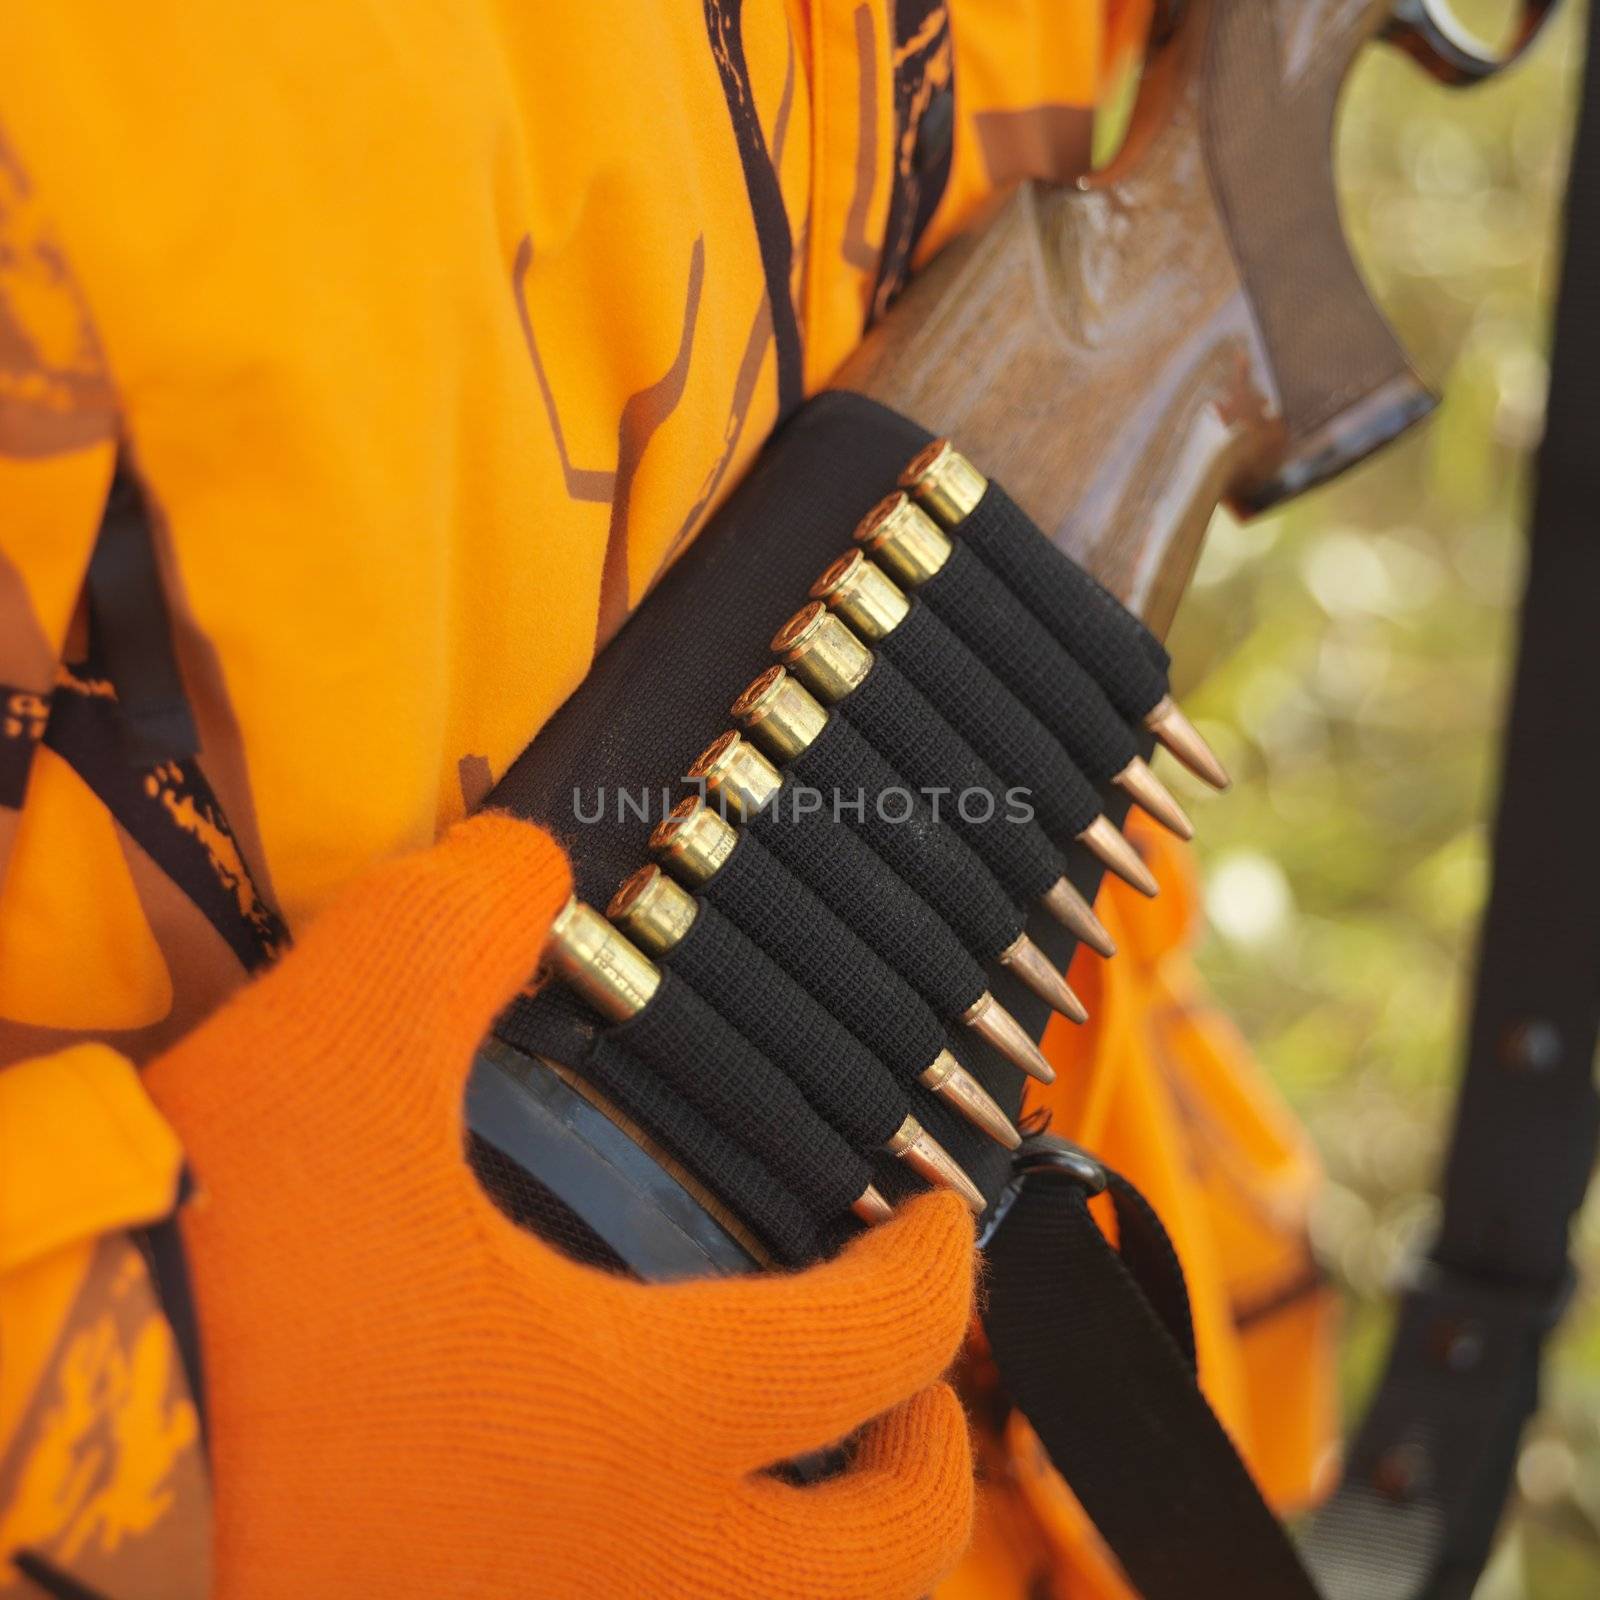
408	1395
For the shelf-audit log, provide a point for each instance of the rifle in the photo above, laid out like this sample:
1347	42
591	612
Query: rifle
1187	326
1184	328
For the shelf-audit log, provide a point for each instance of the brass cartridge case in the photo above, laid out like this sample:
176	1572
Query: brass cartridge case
823	653
901	535
780	714
600	963
863	594
694	840
946	485
653	911
739	773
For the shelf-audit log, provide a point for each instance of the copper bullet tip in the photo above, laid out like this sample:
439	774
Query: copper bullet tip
1183	739
871	1207
992	1022
1150	794
1027	961
1076	915
953	1084
1106	842
914	1145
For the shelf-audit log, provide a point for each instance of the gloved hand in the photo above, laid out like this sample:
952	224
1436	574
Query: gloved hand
407	1395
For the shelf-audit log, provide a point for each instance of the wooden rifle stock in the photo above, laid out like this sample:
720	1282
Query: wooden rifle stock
1183	328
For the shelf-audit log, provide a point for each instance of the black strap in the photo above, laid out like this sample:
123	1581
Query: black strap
1074	1328
132	630
1094	1344
1431	1465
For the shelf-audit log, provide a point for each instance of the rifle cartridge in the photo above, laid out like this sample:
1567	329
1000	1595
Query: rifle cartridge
659	914
1183	739
739	773
653	910
1103	837
586	952
694	841
863	594
619	981
1151	795
900	534
1070	907
1028	962
873	605
946	485
914	1145
992	1022
823	653
947	1078
742	775
780	712
832	662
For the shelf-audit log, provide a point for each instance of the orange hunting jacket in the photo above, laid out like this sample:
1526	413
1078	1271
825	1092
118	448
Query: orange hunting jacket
432	335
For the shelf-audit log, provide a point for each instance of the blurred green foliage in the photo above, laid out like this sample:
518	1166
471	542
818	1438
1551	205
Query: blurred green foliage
1348	657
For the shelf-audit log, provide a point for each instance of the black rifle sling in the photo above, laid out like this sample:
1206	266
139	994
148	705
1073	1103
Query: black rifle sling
1431	1465
1073	1329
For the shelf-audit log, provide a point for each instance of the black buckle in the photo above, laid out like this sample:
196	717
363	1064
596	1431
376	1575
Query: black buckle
1041	1156
1049	1155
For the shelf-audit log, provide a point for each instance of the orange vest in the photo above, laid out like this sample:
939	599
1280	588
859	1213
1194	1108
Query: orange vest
433	334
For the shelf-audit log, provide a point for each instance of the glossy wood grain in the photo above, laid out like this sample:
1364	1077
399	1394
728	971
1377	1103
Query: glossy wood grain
1096	348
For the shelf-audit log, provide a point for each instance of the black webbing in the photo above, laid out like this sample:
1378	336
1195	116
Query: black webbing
1428	1473
846	1084
1086	619
1096	1349
132	630
993	721
886	811
719	1072
1430	1467
1018	649
555	1023
876	903
808	941
916	740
